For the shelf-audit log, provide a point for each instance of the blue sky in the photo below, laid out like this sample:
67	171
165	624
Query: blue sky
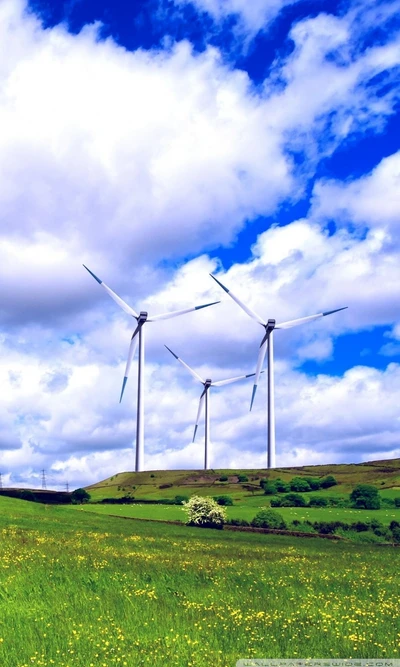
158	141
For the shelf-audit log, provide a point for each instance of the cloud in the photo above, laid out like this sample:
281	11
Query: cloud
133	162
251	16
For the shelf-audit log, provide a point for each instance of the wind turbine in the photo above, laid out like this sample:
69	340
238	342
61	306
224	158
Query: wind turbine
268	341
205	398
138	338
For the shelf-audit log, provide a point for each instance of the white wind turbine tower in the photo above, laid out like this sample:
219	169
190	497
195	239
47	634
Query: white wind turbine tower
268	341
138	338
205	398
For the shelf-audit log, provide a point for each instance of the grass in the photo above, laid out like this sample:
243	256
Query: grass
175	512
384	474
82	589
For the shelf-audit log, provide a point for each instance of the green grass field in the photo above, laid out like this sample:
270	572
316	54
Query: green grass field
175	512
146	485
82	589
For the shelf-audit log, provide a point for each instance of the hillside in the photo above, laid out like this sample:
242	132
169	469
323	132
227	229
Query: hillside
168	483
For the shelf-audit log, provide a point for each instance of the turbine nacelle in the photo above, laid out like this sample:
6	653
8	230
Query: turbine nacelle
143	315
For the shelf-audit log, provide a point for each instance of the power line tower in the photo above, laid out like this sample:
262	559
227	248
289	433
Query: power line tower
44	480
67	487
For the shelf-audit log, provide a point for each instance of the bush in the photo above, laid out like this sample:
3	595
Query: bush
269	519
237	522
80	496
276	502
242	479
269	488
315	484
179	500
397	502
396	535
223	500
204	512
359	526
328	481
223	478
293	500
26	494
318	501
281	486
165	486
365	496
299	484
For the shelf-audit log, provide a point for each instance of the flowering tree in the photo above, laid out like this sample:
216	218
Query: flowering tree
204	512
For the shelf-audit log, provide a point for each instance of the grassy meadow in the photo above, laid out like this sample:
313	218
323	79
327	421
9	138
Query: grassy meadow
83	589
175	512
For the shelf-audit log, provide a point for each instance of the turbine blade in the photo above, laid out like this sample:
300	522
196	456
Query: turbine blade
199	411
168	316
240	303
131	353
260	361
114	296
191	371
304	320
221	383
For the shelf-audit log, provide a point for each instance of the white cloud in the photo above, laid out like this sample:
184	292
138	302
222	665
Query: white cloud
253	16
122	160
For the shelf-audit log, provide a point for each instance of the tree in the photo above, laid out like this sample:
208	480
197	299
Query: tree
242	479
223	500
293	500
318	501
204	512
269	519
269	488
365	496
299	484
80	496
328	481
281	486
314	483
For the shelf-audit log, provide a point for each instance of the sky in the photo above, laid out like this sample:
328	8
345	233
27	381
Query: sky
157	142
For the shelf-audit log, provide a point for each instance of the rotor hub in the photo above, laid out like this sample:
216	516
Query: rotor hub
142	317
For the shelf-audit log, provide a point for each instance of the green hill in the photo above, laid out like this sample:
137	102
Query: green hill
168	483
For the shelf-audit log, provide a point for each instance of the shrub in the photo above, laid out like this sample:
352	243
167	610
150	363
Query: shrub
377	527
293	500
165	486
269	488
365	496
328	481
204	512
26	494
223	478
325	527
359	526
242	479
179	500
269	519
281	486
80	496
237	522
393	525
318	501
396	535
397	502
223	500
315	484
152	475
276	502
299	484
